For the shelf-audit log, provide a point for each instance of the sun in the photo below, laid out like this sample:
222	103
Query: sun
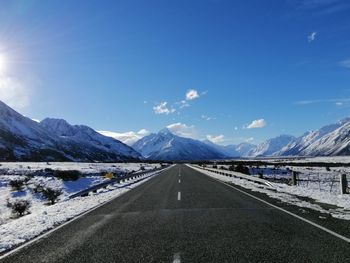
2	63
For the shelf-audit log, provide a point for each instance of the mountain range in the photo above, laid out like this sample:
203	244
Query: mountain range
165	145
22	139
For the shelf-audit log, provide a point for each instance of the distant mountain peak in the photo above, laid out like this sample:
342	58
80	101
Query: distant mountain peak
164	145
165	131
55	140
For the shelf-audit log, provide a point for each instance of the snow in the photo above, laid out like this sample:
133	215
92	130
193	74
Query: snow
292	194
271	146
44	217
167	146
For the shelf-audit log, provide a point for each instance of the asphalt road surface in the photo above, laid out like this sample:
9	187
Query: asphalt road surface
182	215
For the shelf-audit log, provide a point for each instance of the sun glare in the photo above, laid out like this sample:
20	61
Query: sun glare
2	63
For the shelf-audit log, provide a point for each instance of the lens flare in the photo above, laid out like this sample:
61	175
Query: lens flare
2	63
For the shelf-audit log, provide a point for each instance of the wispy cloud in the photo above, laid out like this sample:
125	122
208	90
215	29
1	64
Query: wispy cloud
250	139
345	63
183	104
162	108
192	94
320	7
312	36
128	138
216	138
182	130
307	102
207	118
255	124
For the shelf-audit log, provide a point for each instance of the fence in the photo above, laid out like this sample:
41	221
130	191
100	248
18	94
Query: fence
119	179
237	175
332	181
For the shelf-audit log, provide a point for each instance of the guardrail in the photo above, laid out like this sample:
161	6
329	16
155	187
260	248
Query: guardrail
236	175
119	179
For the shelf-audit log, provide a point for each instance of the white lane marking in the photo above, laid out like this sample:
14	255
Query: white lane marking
179	175
177	258
179	196
179	181
289	213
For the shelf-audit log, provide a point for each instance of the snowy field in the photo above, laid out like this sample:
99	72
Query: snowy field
318	188
42	215
333	159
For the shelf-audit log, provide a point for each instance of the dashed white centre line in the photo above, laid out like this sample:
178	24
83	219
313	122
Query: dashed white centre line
179	196
177	258
179	181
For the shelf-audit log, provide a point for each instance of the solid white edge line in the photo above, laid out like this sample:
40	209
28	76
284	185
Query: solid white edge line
281	209
40	236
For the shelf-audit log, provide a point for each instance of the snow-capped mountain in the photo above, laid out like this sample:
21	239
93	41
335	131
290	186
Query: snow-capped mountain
23	139
271	146
88	142
244	148
329	140
165	145
232	150
299	145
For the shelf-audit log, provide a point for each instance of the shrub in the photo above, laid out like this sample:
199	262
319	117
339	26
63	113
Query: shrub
231	168
16	184
142	168
51	194
20	207
240	168
48	170
38	188
68	175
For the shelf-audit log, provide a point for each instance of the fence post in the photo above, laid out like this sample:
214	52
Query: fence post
294	178
343	184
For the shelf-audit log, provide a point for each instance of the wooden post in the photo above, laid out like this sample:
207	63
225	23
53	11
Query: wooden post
343	184
294	178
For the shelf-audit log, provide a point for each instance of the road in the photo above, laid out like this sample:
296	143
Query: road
182	215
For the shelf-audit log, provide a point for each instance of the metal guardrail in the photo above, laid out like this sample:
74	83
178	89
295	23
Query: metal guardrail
125	177
237	175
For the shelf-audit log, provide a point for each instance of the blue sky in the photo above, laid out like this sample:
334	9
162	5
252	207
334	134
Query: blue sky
113	64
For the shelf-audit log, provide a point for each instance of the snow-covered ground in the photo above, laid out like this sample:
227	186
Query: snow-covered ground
29	167
313	178
315	198
15	230
321	159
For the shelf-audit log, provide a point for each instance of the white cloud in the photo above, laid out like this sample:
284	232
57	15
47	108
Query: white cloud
208	118
257	124
128	138
182	130
235	128
308	102
183	104
13	92
345	63
192	94
162	108
312	36
250	139
339	103
216	138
